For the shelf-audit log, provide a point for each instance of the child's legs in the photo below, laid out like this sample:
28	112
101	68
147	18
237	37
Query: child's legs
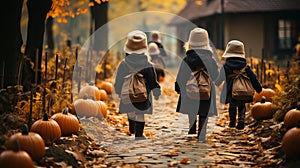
232	114
241	112
192	123
136	117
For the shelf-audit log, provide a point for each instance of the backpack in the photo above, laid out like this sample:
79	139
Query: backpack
134	87
198	86
242	88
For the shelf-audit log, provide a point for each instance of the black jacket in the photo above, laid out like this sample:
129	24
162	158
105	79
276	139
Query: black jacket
195	59
231	64
141	63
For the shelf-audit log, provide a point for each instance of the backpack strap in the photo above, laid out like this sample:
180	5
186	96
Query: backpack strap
237	72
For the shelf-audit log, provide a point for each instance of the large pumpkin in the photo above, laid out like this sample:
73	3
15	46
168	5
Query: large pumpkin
30	142
86	107
291	142
102	112
107	86
268	93
47	128
15	158
263	110
68	123
291	118
91	91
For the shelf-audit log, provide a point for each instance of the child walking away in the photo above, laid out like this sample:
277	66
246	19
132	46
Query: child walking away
157	60
195	82
135	79
240	82
155	38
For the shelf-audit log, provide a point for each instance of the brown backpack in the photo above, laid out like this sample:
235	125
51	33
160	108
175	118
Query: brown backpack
242	88
198	86
134	87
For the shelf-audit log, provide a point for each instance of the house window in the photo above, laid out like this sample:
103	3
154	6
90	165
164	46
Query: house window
285	34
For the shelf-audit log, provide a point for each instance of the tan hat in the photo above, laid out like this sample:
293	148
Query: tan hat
155	36
136	42
199	39
153	49
234	48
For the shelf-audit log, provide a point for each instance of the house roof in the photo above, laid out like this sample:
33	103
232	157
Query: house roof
192	11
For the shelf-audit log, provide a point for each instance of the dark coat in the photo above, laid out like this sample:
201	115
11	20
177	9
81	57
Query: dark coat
231	64
196	59
160	47
141	63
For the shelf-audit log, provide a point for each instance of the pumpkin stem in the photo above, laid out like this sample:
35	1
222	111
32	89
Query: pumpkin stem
66	110
91	83
263	99
24	129
45	117
298	124
85	96
93	98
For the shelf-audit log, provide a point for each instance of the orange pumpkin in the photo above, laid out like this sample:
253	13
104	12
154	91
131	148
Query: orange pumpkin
102	112
291	118
86	107
263	110
91	91
68	123
161	79
107	86
15	158
267	92
30	142
47	128
291	142
103	95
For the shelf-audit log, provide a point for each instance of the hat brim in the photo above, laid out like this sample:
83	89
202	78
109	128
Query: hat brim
231	55
140	51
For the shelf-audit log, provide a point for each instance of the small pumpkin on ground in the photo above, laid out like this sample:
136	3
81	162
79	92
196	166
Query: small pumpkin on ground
68	123
268	93
86	107
291	142
30	142
107	86
15	158
292	117
102	113
47	128
91	91
263	110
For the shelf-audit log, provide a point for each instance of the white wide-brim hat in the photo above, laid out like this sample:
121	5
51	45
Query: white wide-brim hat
153	49
136	42
199	39
234	48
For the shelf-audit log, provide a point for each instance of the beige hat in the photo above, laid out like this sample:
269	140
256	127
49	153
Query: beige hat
155	36
153	49
199	39
136	42
234	48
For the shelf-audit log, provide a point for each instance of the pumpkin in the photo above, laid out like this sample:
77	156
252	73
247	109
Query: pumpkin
30	142
68	123
267	92
15	158
161	79
103	95
102	112
47	128
291	142
91	91
107	86
292	117
86	107
263	110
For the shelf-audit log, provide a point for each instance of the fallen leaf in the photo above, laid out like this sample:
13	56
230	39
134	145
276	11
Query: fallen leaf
185	161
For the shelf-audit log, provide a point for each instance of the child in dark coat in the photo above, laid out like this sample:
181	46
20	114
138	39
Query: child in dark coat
157	60
198	56
136	58
235	60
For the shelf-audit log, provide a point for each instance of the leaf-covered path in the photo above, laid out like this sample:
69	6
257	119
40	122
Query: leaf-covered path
168	144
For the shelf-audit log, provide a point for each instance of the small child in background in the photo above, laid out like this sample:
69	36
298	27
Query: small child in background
157	60
235	61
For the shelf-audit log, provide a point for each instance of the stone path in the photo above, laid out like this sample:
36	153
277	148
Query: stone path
168	143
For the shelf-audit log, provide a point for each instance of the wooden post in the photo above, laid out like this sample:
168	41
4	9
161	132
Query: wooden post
262	66
287	71
79	79
36	67
278	74
45	84
56	66
30	108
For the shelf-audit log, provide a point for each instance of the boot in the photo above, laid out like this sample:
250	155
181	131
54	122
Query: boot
232	116
131	126
241	118
139	130
192	129
202	129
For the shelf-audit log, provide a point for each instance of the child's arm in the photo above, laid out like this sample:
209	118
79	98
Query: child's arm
119	79
255	83
221	78
152	82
